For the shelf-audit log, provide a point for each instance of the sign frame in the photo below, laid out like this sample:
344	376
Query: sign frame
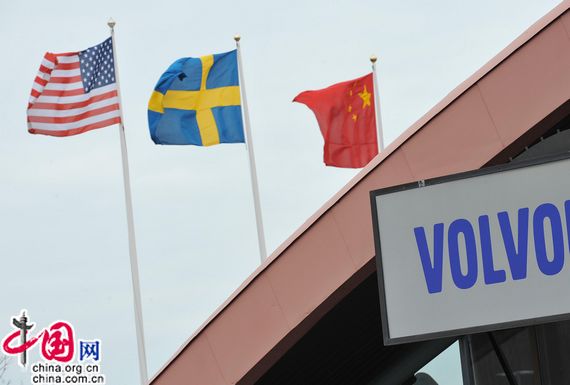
378	253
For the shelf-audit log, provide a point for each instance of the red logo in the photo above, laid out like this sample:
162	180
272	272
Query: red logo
57	340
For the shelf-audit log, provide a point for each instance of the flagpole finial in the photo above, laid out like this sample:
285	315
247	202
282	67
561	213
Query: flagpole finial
237	38
373	59
111	23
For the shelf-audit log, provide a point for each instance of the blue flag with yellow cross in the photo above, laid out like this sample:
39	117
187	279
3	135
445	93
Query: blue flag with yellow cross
197	101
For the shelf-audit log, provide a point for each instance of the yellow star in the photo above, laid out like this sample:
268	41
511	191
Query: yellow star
354	117
350	92
349	108
365	96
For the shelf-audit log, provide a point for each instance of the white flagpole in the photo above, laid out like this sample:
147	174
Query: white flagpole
252	169
131	228
377	105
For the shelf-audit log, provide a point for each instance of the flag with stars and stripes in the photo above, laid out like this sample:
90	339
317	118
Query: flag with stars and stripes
75	92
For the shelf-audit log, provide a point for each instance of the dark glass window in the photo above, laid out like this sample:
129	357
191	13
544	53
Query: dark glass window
538	355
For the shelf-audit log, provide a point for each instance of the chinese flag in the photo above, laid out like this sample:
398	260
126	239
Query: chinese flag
345	113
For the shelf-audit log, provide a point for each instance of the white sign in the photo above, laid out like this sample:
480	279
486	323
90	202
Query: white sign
477	251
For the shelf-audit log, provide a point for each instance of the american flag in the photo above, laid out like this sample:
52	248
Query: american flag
75	92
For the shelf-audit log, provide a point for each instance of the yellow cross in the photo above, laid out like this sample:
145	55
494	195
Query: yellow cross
201	101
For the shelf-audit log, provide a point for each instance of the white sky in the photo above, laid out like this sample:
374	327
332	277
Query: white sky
63	242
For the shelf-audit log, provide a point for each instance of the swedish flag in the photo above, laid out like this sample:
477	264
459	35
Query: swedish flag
197	101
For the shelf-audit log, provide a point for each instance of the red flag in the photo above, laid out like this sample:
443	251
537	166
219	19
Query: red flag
345	113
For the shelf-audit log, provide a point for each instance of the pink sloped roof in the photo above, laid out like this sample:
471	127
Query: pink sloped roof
333	251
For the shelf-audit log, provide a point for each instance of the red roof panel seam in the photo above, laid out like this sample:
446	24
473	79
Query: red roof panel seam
276	297
480	93
343	239
565	27
409	163
218	366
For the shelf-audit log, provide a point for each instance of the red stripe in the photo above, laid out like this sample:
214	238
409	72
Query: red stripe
74	118
45	69
40	81
75	92
50	57
67	66
71	106
65	79
35	93
75	131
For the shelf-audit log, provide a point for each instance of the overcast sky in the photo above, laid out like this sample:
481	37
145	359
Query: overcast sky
63	237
